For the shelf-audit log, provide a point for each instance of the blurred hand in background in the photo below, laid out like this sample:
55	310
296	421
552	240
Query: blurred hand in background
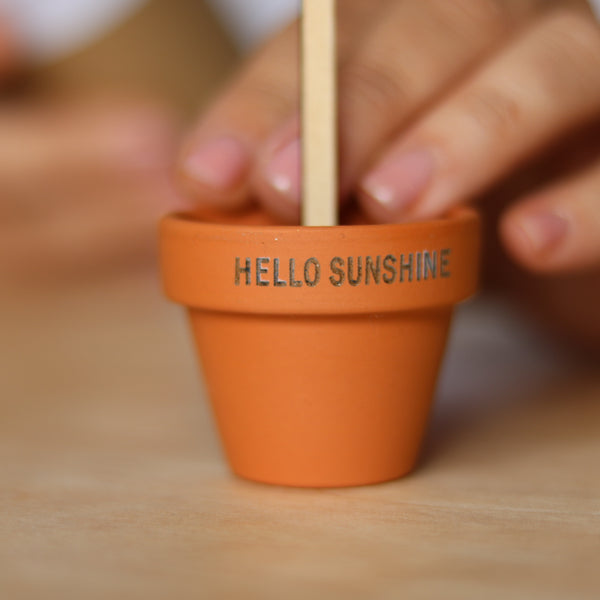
82	185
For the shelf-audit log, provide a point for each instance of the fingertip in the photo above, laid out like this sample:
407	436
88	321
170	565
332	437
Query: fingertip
373	202
215	171
280	205
514	240
534	236
393	190
277	182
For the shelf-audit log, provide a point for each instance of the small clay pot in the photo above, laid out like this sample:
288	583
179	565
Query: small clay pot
321	346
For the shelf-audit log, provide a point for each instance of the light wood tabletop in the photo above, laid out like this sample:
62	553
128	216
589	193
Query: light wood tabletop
112	484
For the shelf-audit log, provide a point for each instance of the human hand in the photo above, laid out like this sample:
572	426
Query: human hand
82	186
439	103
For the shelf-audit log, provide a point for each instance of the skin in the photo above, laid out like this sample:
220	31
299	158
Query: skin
488	101
83	181
83	185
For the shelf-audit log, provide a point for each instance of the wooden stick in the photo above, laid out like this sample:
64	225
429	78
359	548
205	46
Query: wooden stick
319	114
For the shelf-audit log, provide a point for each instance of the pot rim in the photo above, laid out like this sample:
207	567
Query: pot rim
295	270
251	221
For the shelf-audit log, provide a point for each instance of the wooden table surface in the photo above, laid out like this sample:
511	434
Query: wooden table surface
112	484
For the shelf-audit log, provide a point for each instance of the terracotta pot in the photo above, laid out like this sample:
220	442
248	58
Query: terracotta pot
321	346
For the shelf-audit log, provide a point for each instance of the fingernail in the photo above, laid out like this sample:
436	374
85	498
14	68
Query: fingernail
544	230
283	171
397	183
220	164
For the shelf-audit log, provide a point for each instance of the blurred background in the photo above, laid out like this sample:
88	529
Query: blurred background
99	392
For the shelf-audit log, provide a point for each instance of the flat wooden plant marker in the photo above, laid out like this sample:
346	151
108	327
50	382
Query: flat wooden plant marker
319	114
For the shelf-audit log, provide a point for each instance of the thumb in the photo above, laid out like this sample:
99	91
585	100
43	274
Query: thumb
219	156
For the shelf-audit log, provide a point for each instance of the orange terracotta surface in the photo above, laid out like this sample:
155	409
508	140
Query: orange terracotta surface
321	346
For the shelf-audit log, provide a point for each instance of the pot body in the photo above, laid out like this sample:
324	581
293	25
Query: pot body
321	401
321	347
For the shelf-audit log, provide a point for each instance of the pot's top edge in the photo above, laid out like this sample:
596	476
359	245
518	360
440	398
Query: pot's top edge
255	223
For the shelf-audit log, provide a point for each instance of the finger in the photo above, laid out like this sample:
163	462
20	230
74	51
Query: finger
218	158
90	133
414	52
559	229
82	186
220	155
55	147
546	83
